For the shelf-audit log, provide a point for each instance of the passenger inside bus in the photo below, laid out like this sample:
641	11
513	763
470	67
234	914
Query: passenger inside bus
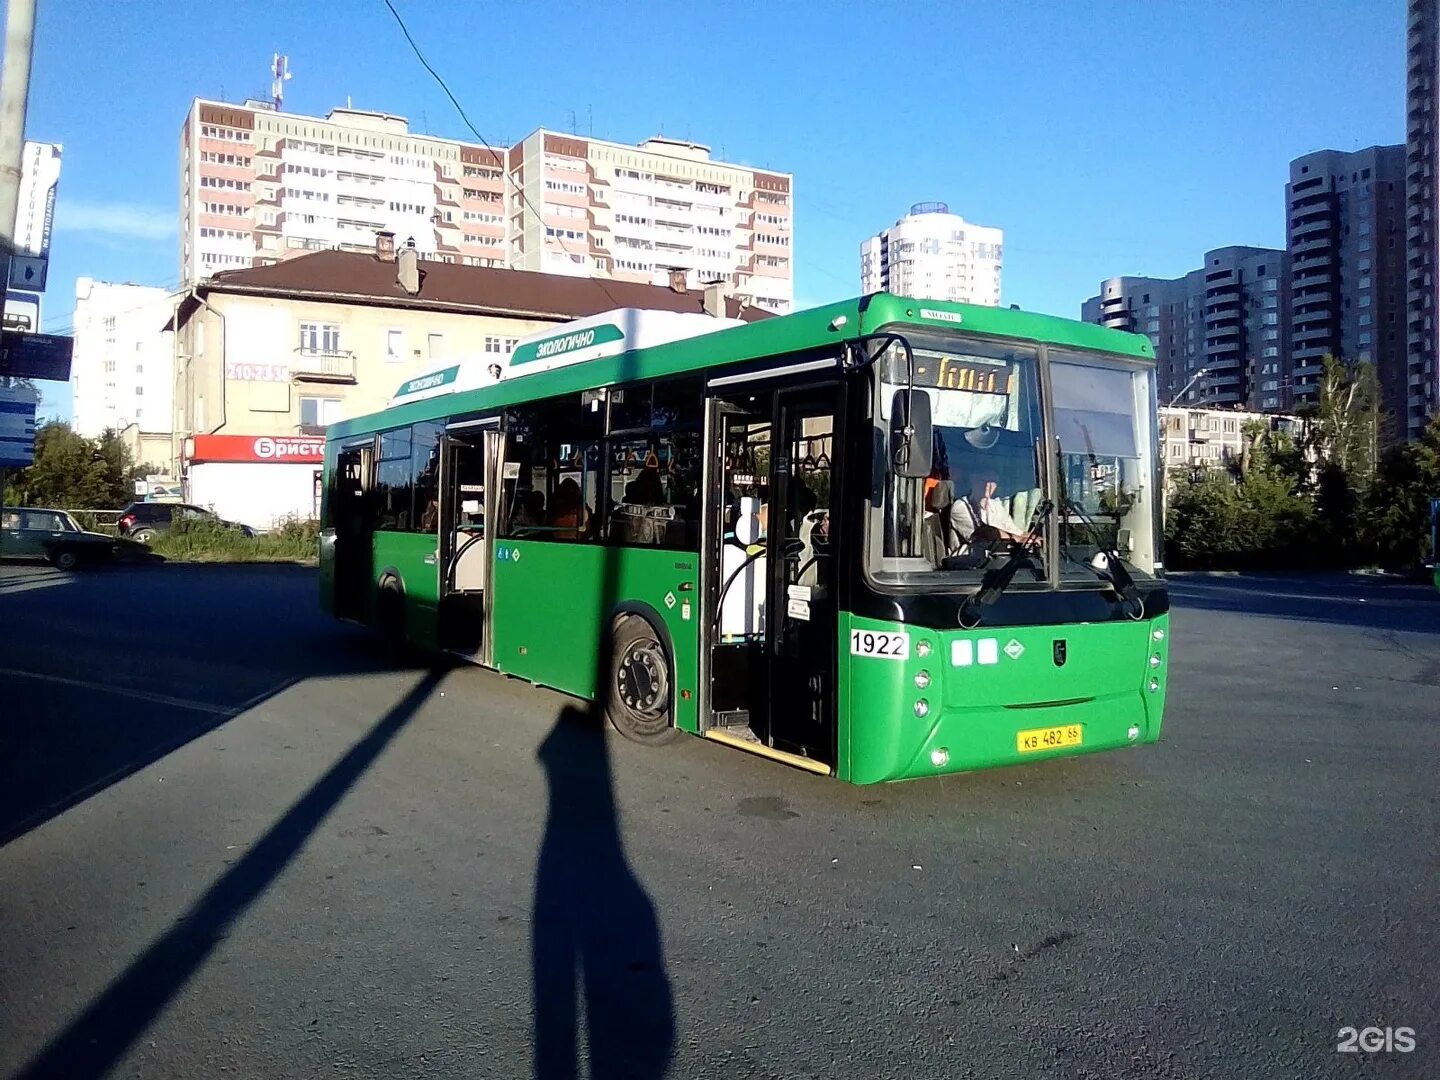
568	513
531	511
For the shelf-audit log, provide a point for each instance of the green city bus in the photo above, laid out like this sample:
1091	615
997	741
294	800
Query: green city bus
881	539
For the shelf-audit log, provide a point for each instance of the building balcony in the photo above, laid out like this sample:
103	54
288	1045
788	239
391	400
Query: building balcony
1311	230
1320	246
1223	332
326	367
1307	202
1216	351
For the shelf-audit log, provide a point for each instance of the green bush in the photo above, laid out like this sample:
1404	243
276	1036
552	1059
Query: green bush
210	540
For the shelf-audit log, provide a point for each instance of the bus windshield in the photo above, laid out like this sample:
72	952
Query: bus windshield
1104	428
983	497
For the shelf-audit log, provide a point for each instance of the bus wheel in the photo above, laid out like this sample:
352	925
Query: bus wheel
390	612
641	687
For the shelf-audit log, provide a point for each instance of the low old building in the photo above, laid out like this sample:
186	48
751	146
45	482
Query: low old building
266	358
1193	439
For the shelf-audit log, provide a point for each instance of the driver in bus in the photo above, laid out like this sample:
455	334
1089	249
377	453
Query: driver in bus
981	515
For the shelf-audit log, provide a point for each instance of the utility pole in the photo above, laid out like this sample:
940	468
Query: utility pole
14	98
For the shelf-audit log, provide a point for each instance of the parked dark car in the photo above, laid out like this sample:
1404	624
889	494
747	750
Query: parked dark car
36	533
140	521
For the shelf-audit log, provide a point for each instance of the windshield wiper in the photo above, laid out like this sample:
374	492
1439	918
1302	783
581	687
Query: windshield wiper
1115	571
996	581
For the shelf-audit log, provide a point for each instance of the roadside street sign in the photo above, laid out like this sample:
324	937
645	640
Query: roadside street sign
17	427
22	311
35	356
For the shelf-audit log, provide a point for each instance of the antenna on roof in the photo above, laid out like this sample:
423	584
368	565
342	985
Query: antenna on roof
572	121
280	68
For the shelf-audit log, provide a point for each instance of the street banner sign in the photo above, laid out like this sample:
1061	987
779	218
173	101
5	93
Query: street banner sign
34	217
35	356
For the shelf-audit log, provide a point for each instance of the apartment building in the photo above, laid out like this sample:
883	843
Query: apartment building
1218	332
122	368
932	254
268	357
259	186
1422	215
650	214
1346	245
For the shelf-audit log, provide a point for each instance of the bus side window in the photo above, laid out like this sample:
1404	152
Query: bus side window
393	480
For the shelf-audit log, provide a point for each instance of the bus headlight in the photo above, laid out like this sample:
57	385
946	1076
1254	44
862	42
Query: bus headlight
922	707
1155	660
922	679
940	757
922	648
1154	685
1158	635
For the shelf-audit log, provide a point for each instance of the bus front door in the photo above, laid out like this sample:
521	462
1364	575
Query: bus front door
802	608
771	602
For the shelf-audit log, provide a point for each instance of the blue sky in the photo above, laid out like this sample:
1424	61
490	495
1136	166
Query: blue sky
1105	138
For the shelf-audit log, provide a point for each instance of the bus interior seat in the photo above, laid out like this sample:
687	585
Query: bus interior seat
469	574
742	609
812	549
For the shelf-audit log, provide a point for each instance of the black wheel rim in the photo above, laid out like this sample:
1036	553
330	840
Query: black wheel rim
642	682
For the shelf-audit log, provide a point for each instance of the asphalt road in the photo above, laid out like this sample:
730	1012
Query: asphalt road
239	842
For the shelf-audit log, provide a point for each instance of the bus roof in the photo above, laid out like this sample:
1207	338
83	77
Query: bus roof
581	362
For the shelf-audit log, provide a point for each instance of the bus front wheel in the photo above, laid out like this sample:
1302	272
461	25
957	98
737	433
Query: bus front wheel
641	691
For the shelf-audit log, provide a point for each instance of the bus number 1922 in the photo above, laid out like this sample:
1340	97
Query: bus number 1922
880	644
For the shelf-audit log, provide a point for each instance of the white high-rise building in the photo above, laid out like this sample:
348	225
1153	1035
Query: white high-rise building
122	373
932	254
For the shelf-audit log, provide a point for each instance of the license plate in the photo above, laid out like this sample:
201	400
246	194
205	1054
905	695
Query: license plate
1049	738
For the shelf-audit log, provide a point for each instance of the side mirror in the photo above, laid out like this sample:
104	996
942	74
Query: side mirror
911	438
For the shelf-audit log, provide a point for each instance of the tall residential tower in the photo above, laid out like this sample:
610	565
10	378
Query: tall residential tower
1422	215
932	254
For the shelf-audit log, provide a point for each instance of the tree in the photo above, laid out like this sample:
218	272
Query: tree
74	472
1395	525
1345	427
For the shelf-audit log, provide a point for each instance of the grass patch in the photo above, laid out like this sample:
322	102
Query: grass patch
207	540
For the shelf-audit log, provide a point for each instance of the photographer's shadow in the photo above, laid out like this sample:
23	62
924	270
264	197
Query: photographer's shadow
595	937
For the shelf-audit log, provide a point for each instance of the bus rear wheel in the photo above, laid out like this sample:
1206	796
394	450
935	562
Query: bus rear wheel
390	613
641	691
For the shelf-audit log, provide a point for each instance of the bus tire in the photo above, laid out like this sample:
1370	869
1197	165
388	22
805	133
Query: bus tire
390	612
640	695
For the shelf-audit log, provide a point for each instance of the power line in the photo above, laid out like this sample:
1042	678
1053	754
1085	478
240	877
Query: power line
519	187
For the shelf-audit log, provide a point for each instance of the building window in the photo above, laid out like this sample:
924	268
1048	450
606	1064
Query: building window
321	338
436	345
318	412
492	344
394	346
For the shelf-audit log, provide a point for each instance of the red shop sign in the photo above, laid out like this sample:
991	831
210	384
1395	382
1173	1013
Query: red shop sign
284	449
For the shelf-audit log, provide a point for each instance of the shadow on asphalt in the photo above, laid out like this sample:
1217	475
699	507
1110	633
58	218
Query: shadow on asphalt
594	933
96	1040
1339	600
596	950
100	678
